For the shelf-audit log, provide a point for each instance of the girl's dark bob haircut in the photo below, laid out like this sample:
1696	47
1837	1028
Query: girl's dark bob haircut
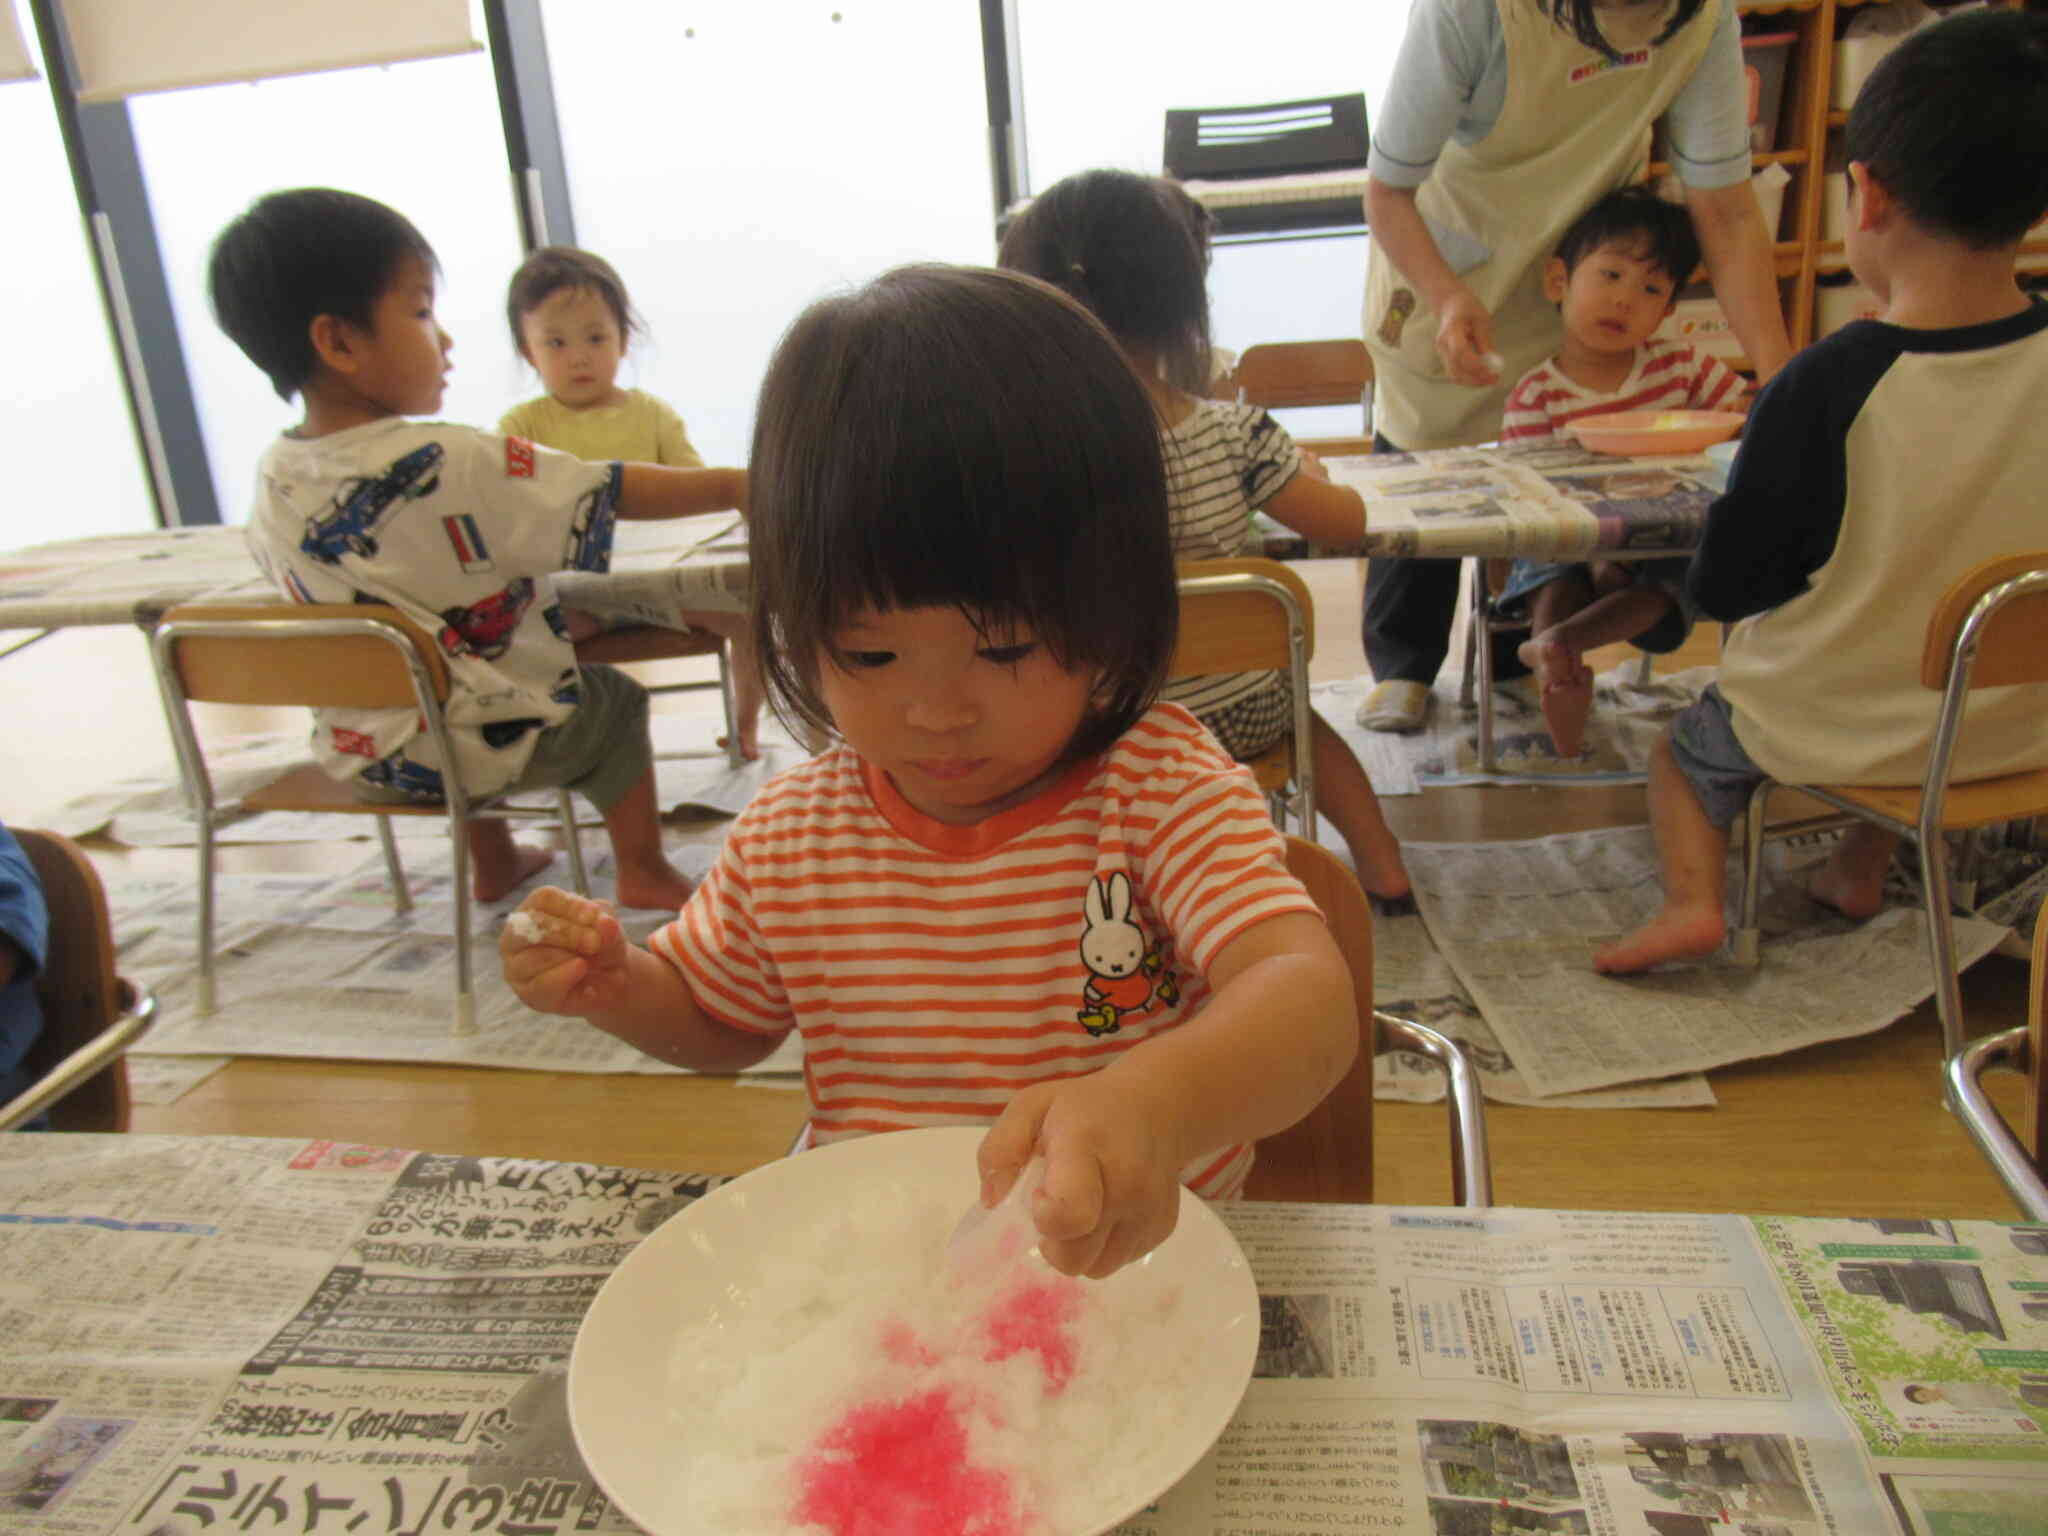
965	437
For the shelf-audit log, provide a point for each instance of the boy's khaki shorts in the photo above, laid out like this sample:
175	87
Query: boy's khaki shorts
600	751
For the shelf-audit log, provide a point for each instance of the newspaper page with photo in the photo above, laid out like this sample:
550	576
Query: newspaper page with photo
215	1335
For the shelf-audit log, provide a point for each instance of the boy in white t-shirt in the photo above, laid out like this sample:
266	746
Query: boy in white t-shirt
332	296
1615	276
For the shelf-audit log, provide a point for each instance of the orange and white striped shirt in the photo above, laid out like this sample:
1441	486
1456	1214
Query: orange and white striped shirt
936	970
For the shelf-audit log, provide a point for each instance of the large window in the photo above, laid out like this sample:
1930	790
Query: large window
72	464
423	137
1099	78
736	160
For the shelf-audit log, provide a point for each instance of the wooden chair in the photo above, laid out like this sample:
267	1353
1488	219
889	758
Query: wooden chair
340	655
90	1016
1328	1155
2022	1049
1281	375
1989	630
1256	615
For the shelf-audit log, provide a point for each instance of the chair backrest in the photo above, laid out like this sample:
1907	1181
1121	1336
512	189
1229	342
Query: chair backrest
1279	138
1283	374
2012	644
77	986
324	655
1241	626
1328	1155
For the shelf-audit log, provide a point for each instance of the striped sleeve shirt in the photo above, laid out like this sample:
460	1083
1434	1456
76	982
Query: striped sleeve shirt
936	970
1667	376
1223	461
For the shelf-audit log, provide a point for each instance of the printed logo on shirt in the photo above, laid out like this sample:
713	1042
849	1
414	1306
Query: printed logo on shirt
518	458
1634	59
354	743
471	552
1128	977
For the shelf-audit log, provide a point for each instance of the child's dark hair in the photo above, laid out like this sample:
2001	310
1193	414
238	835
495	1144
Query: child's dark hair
1581	19
1657	231
1953	123
1135	250
965	437
554	267
297	255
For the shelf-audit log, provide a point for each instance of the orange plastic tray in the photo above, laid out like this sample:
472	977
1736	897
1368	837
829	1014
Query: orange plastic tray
1647	433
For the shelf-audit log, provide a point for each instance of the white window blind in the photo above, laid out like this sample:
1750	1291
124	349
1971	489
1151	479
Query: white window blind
15	63
127	47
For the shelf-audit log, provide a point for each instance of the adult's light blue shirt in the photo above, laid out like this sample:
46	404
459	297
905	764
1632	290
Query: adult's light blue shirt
1451	79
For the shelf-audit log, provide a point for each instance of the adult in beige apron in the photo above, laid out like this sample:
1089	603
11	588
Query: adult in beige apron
1574	125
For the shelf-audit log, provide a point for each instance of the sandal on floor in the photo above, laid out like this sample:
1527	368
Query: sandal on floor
1394	706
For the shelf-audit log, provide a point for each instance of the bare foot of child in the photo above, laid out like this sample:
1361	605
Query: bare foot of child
657	886
1566	690
1852	880
750	742
1676	933
498	872
1380	869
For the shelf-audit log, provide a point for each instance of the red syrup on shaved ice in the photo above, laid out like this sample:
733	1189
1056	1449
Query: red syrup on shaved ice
888	1393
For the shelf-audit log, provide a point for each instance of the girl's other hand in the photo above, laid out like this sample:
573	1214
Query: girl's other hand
1464	340
563	953
1313	466
1111	1190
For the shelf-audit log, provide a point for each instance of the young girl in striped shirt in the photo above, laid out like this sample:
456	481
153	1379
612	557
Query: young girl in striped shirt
1135	250
1615	276
1017	890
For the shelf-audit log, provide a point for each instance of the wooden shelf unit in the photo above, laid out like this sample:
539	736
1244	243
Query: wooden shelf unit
1807	125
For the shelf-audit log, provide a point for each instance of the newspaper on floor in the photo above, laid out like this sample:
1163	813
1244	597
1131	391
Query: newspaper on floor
220	1334
326	967
150	810
1518	922
1412	980
1628	717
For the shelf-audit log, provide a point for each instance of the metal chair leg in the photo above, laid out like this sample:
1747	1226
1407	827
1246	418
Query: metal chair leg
394	871
465	998
572	844
733	756
1744	938
1482	649
206	977
1941	951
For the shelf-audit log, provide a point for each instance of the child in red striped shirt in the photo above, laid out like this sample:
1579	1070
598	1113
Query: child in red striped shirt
1615	276
1018	890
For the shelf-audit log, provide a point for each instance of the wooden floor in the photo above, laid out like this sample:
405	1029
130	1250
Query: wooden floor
1853	1128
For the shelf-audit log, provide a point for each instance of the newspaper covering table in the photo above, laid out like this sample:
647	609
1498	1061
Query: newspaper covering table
659	566
1548	500
231	1335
